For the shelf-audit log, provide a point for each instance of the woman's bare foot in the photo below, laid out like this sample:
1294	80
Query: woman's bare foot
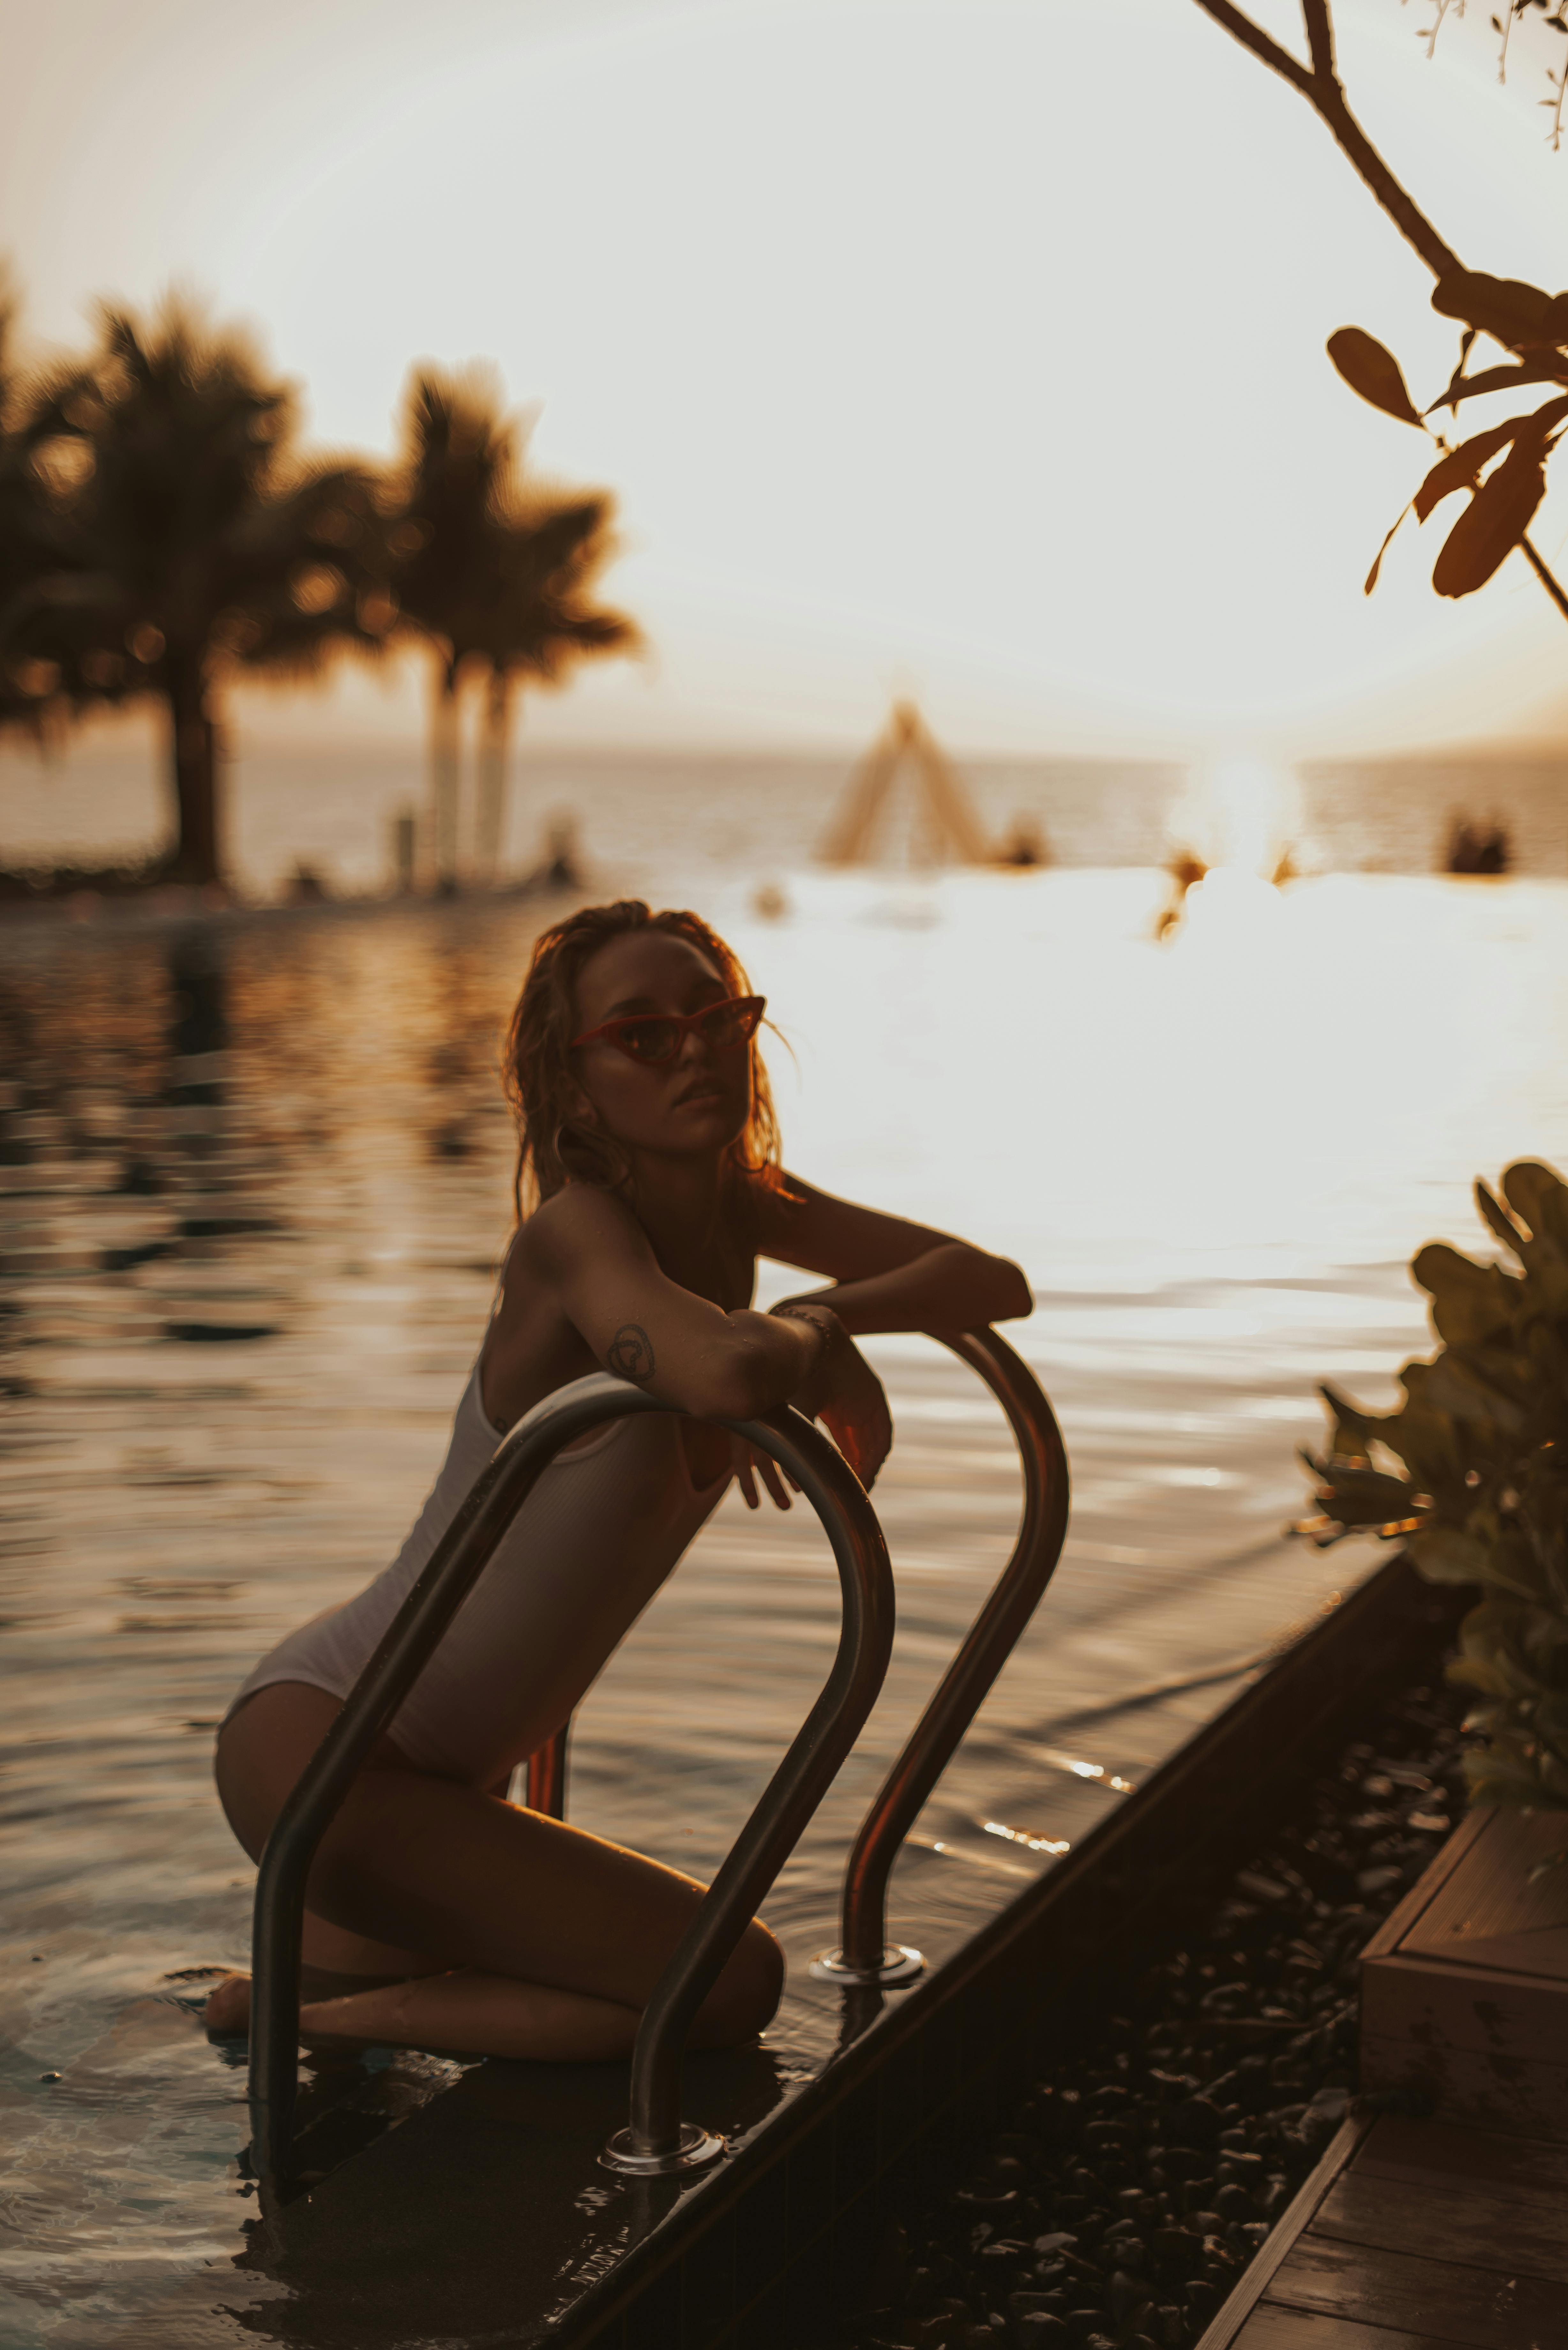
227	2014
461	2013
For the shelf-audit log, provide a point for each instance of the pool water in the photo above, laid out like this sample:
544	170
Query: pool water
255	1180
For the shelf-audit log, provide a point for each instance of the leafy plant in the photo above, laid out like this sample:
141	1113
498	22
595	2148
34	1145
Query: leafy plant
1504	468
1530	326
1472	1474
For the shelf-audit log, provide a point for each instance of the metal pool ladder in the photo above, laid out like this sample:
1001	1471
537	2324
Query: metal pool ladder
656	2140
862	1955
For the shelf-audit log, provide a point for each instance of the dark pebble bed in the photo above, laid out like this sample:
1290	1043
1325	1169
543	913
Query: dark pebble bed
1130	2188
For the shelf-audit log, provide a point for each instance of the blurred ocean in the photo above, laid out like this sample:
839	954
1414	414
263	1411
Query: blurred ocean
335	810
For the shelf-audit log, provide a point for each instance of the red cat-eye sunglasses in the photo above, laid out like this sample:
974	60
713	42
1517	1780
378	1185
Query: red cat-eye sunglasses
652	1037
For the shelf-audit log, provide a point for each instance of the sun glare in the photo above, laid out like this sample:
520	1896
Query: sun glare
1240	815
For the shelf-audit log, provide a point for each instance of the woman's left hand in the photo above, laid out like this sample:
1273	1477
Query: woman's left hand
750	1464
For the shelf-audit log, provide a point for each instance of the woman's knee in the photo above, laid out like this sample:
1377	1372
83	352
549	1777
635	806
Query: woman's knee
745	2000
371	1852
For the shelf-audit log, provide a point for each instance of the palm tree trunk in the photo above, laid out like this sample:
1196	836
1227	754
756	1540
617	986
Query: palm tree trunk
493	750
194	760
444	776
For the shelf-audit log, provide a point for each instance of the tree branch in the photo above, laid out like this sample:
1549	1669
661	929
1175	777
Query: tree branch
1253	36
1542	573
1319	85
1402	210
1320	39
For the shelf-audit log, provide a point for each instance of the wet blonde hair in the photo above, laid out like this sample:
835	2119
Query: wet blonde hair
551	1145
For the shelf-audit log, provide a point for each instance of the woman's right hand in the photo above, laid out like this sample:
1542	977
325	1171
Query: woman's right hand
845	1393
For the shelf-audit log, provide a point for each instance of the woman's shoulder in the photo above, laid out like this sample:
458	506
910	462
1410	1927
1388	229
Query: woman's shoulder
577	1216
771	1202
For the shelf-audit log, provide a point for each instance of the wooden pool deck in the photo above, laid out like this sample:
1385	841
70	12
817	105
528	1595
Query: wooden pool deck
1413	2235
1450	2232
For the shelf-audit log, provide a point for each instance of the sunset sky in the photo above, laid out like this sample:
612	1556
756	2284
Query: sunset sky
971	347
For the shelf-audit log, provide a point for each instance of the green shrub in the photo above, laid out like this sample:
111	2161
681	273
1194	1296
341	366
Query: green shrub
1472	1474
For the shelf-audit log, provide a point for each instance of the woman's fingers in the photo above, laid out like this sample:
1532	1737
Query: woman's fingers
773	1478
750	1464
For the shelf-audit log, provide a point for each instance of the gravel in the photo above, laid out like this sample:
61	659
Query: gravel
1131	2186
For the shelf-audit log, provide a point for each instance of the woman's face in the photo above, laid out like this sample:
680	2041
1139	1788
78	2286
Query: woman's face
696	1104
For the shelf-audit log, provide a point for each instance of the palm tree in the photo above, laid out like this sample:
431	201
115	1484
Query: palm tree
33	681
18	520
539	623
492	572
458	454
197	544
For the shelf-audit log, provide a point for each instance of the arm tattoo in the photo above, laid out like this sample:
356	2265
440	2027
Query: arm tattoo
630	1352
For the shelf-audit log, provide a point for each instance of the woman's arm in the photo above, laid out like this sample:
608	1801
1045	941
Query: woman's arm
590	1250
887	1274
591	1253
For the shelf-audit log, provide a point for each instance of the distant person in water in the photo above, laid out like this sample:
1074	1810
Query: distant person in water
562	871
441	1916
1471	851
1025	846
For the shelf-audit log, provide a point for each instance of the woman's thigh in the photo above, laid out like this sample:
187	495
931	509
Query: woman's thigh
418	1865
262	1749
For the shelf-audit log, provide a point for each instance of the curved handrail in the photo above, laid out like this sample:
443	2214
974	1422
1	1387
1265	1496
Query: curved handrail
655	2139
862	1956
548	1775
796	1787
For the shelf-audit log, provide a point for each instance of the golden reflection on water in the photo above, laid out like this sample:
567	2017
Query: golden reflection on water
255	1182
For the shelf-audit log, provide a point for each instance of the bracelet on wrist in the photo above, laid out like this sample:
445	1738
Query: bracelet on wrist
821	1316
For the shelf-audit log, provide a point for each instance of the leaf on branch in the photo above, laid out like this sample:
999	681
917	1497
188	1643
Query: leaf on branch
1444	1554
1467	343
1538	1195
1469	1301
1501	378
1501	1222
1522	317
1377	558
1493	522
1458	468
1372	371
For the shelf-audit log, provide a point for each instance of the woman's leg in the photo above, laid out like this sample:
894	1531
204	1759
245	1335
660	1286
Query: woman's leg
522	1936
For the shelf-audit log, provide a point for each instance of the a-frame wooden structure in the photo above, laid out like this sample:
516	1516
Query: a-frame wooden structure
949	828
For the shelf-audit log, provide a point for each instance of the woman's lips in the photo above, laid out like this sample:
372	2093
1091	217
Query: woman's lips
703	1093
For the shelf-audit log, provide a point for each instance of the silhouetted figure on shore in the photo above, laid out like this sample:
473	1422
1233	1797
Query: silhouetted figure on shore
1186	871
561	869
1025	846
1471	850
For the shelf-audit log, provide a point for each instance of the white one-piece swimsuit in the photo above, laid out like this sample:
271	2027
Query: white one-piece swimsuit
600	1533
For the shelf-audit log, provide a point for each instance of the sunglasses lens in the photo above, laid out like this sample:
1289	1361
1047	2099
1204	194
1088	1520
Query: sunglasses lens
731	1023
649	1040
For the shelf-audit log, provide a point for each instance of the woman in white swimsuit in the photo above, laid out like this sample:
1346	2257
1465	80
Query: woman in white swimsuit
440	1915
